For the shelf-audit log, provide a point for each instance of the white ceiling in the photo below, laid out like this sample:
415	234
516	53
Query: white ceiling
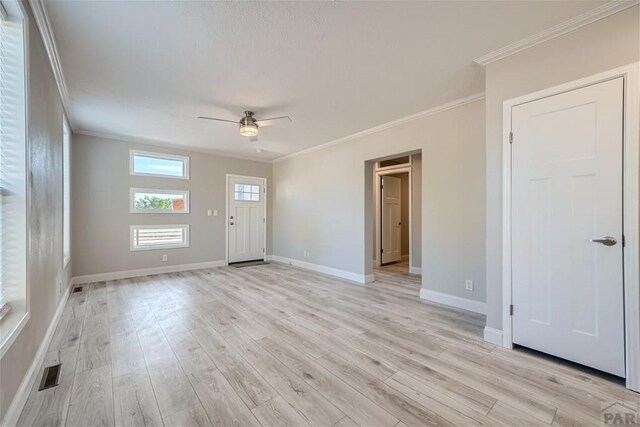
147	69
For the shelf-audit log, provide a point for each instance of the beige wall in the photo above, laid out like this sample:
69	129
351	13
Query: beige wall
47	279
601	46
101	206
321	206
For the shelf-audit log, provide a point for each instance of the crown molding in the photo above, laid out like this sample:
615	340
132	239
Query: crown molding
44	26
134	140
426	113
430	112
572	24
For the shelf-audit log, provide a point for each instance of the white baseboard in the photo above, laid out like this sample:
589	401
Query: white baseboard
493	336
415	270
343	274
453	301
118	275
20	399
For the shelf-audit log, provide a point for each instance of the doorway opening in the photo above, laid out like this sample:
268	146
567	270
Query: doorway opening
397	212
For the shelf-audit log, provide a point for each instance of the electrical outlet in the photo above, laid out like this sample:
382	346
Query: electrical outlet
468	285
215	212
165	258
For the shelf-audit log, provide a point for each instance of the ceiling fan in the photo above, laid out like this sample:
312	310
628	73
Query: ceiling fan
249	125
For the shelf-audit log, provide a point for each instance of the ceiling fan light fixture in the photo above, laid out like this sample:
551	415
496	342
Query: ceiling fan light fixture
248	129
248	126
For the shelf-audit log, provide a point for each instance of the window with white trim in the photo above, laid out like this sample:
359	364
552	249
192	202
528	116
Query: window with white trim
147	237
144	200
246	192
157	164
66	192
13	172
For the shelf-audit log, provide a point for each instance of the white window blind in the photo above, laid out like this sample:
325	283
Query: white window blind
144	237
66	192
12	163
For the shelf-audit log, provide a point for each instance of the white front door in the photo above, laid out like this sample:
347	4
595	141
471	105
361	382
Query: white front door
391	219
246	218
567	288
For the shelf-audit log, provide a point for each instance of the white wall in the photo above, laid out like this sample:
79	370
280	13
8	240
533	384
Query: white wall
601	46
321	206
101	206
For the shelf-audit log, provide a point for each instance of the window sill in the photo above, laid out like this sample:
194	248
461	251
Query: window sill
10	327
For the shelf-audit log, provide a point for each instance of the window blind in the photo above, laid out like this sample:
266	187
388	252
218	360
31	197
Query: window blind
66	192
159	236
12	163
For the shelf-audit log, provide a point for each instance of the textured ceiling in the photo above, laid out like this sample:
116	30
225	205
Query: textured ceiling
146	69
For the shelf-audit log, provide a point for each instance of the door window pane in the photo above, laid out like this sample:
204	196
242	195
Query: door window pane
247	192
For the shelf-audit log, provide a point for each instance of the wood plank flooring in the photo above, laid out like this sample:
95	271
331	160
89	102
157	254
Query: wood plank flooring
275	346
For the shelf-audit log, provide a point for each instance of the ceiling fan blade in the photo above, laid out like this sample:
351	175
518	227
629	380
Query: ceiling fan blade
274	121
218	120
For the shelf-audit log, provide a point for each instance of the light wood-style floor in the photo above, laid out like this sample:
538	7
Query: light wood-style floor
396	267
273	345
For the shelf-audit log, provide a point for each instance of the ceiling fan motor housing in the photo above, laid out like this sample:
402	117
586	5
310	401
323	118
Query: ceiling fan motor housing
248	119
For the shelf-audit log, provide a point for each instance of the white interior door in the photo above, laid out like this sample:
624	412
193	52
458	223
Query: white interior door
391	219
567	289
246	218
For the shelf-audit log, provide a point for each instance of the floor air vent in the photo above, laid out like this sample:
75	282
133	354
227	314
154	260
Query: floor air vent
77	289
50	377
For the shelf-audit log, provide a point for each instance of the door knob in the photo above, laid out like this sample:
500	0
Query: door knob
606	240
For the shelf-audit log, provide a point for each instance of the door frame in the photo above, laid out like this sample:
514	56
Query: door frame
226	213
392	170
631	187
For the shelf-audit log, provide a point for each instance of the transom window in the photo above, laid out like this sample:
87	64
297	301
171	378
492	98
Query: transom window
247	192
159	201
158	164
147	237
